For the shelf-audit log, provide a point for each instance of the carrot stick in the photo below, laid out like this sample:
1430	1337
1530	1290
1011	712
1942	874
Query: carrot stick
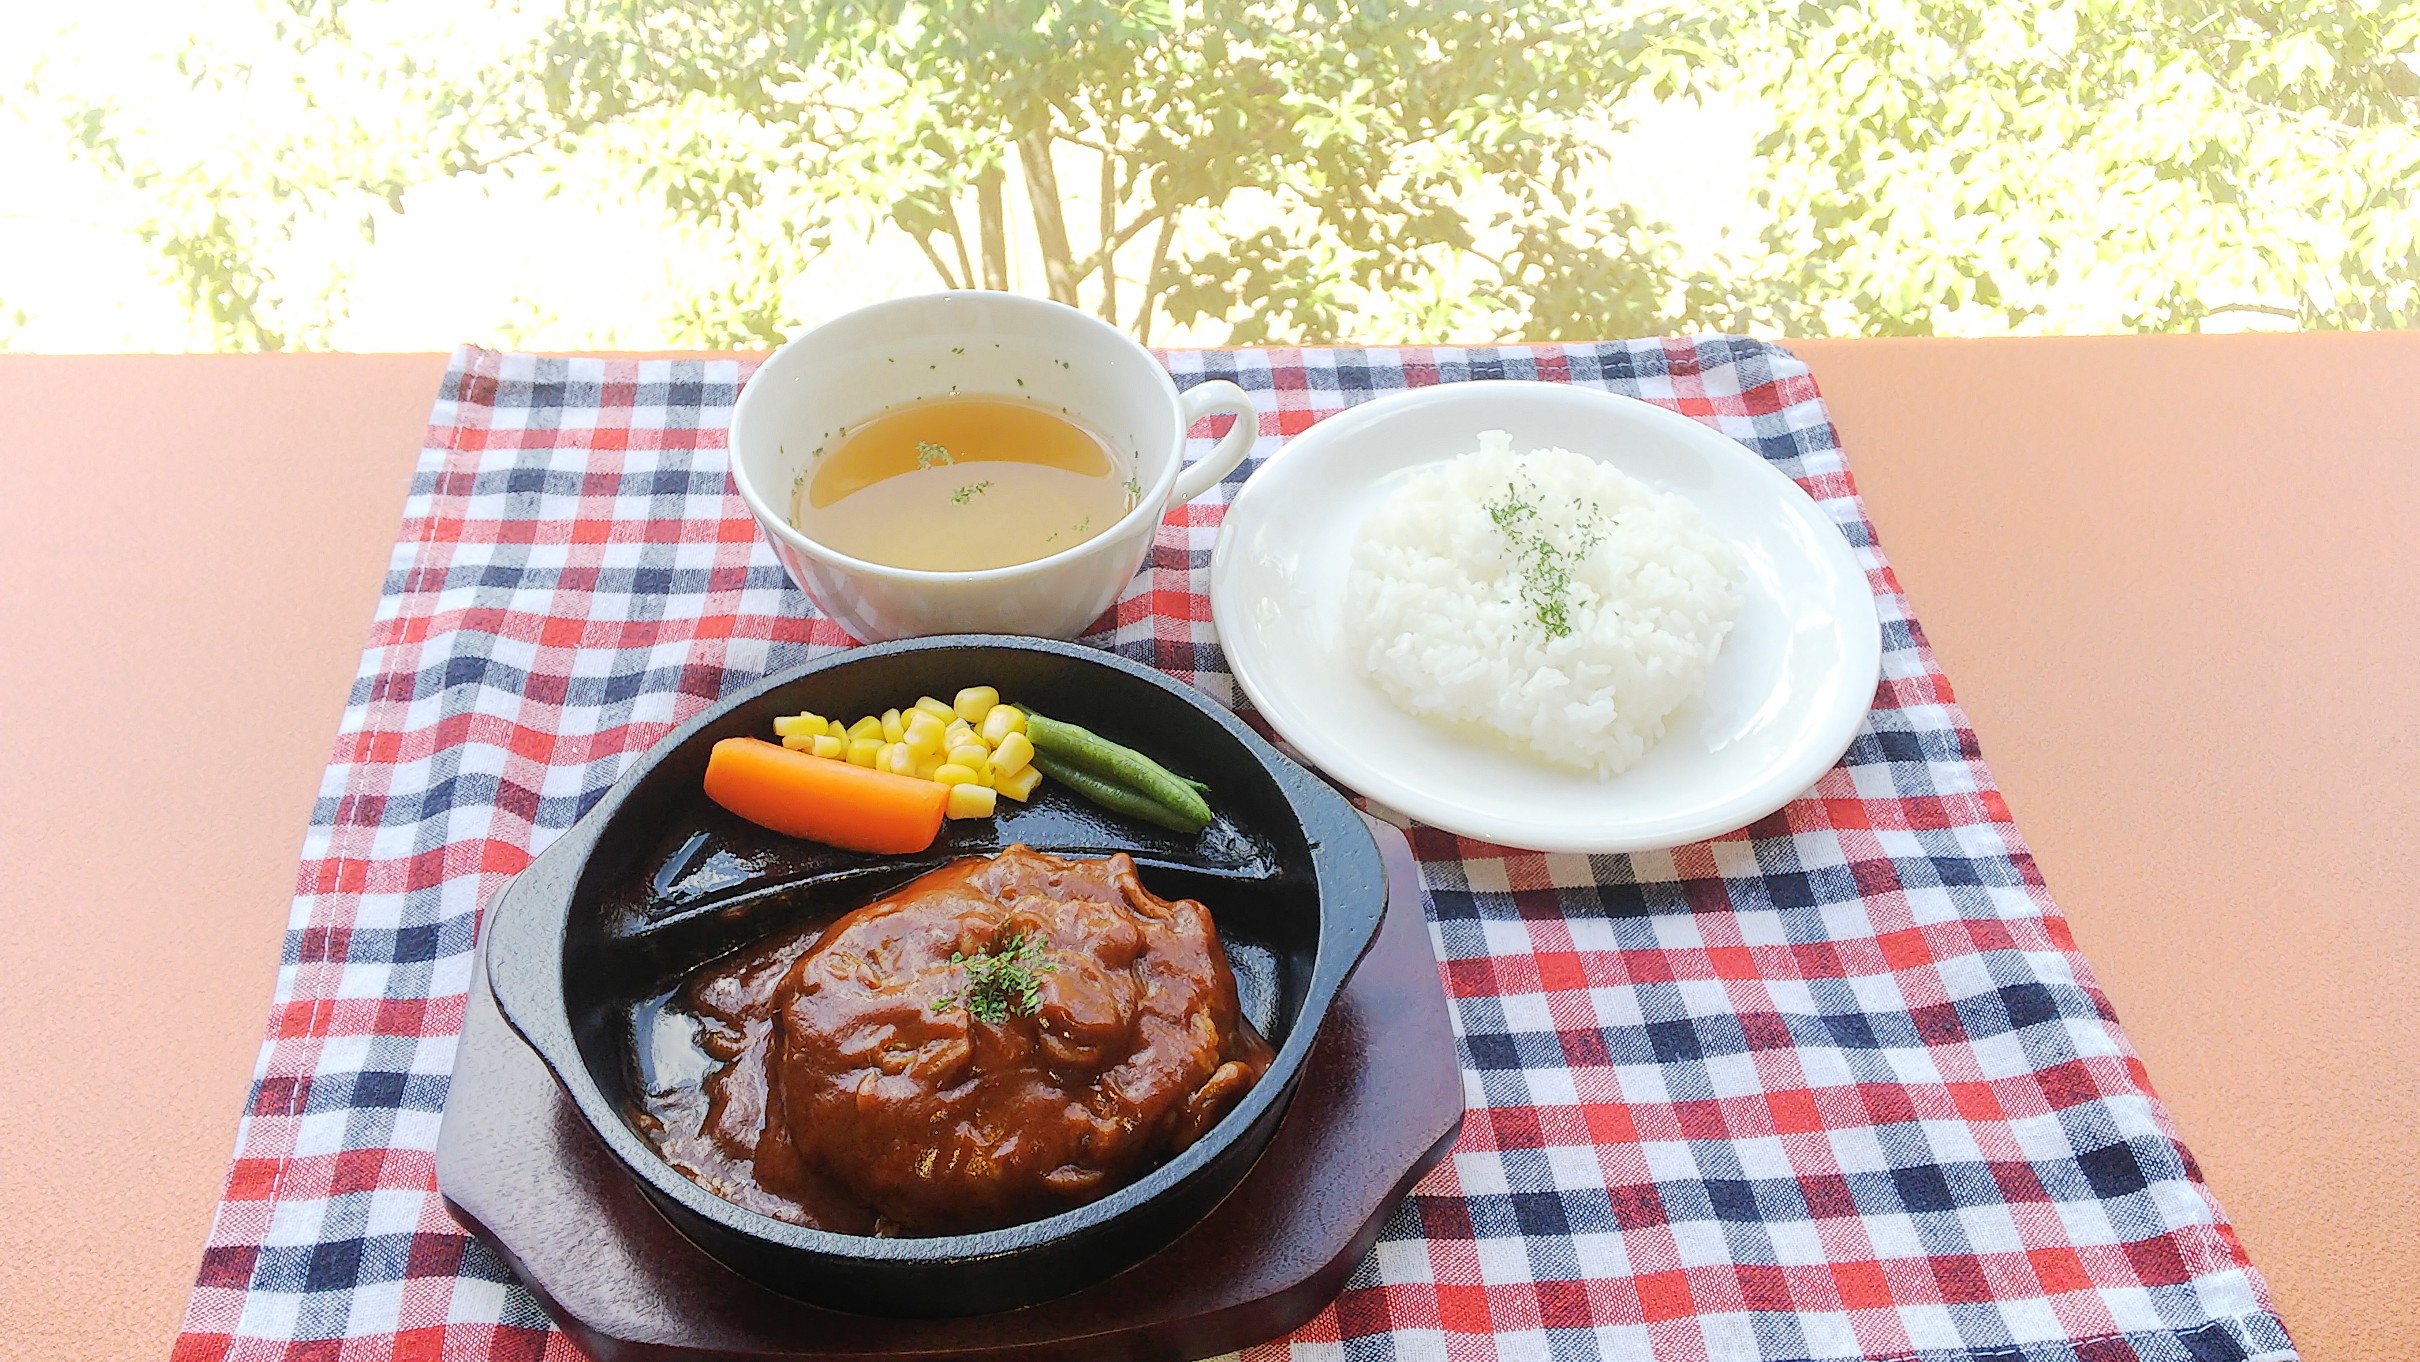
824	800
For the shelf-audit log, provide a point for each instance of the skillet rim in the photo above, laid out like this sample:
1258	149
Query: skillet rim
524	956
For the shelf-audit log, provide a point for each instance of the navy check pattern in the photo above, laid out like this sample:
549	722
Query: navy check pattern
1833	1088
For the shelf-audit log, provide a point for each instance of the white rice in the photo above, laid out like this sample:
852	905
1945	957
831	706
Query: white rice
1450	616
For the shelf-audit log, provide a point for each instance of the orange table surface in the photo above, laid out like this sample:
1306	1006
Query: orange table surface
2176	581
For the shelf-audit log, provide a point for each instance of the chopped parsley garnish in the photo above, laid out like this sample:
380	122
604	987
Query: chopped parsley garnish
1545	567
1001	982
970	491
928	454
1134	488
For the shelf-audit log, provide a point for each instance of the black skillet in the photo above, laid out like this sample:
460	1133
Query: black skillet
585	945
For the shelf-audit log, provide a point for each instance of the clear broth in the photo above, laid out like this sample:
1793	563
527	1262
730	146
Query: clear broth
959	484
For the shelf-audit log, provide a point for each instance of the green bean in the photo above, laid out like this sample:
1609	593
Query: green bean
1122	765
1112	796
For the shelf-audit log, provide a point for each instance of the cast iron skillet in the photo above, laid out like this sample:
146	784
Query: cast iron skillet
586	944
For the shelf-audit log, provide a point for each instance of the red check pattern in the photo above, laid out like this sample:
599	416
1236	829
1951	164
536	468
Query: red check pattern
1834	1087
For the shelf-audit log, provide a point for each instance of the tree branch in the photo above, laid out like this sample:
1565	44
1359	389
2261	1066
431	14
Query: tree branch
1125	234
994	223
1151	279
1108	265
924	243
966	267
1042	188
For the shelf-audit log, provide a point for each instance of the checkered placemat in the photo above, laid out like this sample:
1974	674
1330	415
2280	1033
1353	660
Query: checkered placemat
1835	1087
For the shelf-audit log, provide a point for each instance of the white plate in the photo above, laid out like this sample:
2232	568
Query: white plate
1790	688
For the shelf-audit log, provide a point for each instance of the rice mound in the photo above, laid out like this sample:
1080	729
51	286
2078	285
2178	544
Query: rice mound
1457	601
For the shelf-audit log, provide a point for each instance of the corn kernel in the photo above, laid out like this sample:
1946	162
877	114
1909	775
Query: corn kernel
975	702
951	773
894	727
1013	754
971	754
927	766
867	727
897	760
830	748
935	708
1019	786
797	742
864	751
797	725
924	736
1002	721
971	801
961	734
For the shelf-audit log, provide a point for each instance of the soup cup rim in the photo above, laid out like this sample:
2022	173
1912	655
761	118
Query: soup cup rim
1154	501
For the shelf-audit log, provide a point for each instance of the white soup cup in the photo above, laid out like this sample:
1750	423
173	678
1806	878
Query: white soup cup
993	344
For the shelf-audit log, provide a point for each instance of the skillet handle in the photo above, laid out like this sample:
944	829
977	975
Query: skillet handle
523	950
1352	878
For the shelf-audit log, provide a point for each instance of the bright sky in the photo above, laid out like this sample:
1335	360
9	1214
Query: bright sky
492	260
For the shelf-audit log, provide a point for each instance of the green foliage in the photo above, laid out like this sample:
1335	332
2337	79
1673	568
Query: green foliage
1381	172
1943	165
1353	134
218	222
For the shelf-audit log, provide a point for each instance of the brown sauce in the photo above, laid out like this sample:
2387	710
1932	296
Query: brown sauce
877	1076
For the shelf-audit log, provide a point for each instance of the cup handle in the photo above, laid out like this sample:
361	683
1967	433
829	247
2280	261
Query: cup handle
1215	398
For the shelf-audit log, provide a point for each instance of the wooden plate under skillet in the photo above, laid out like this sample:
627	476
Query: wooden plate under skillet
1381	1102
